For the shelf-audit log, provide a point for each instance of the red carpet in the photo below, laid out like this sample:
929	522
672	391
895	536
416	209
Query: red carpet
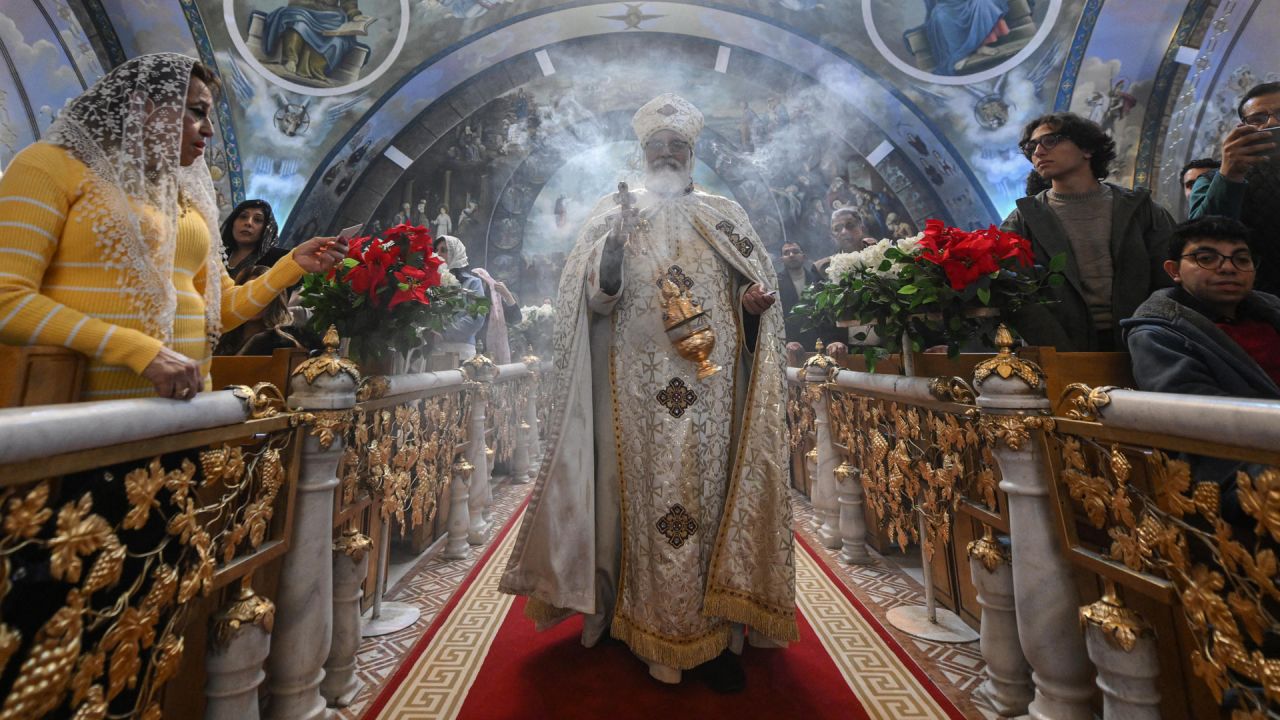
550	675
482	660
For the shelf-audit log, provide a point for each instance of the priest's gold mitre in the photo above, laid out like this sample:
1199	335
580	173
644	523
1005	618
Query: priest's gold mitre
668	112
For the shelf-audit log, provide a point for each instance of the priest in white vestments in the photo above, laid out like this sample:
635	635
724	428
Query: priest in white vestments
661	510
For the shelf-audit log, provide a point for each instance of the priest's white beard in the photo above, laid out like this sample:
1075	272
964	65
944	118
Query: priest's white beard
667	181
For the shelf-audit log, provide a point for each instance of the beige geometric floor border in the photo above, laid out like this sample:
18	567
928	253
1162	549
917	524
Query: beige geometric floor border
875	674
442	676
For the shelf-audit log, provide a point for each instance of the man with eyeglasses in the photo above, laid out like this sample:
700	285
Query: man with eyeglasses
796	275
1247	187
662	509
1113	237
1212	334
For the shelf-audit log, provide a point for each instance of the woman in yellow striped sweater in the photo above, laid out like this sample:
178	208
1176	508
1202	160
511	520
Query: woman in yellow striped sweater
107	236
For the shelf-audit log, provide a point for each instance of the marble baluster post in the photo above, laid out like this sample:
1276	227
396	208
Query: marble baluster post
824	483
323	389
1123	647
350	567
486	508
240	639
1011	395
1008	685
480	370
459	521
531	415
853	523
520	463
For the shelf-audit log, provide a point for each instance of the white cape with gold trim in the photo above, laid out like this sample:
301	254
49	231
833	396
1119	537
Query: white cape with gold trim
752	573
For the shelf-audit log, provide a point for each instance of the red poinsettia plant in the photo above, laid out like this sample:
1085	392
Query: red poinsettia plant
387	292
943	286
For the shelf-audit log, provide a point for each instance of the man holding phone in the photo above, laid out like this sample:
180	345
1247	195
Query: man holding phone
1247	187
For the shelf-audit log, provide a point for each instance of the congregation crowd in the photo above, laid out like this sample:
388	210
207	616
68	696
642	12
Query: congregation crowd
1193	303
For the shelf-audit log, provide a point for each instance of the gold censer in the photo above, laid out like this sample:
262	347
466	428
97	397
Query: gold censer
688	328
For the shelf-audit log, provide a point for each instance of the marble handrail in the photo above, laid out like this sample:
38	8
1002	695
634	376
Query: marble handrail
511	372
905	389
28	433
1227	421
422	382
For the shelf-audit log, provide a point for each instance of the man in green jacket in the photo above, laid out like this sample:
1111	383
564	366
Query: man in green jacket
1247	187
1113	237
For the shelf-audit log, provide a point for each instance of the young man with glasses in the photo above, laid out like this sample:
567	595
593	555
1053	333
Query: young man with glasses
1212	334
1113	237
1247	187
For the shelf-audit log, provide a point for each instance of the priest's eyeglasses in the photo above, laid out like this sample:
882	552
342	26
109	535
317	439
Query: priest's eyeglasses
1048	141
675	146
1213	260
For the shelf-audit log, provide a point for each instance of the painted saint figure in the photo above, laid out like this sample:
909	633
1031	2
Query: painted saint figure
313	35
958	28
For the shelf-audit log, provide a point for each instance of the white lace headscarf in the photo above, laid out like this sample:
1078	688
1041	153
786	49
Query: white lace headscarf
456	251
127	129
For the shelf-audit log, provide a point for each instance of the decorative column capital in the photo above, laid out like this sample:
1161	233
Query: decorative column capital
325	382
480	369
330	362
1007	365
1121	626
845	473
463	468
352	543
989	551
819	367
248	609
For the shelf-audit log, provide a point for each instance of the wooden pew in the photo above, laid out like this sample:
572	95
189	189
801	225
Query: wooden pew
39	375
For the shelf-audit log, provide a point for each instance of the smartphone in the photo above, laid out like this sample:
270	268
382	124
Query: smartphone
349	232
1274	140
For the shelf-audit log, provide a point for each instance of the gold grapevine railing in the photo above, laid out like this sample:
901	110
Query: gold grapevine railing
916	460
1198	529
99	565
400	452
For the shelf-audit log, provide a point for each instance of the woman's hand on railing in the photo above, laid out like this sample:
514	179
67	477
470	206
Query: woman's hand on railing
174	375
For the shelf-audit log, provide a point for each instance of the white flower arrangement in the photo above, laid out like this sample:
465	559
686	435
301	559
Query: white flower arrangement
870	259
531	315
447	279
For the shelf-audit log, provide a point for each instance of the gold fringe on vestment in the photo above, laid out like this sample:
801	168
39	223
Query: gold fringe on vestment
545	615
777	624
682	654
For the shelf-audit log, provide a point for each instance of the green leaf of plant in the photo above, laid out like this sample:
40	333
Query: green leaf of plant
908	290
984	295
1058	262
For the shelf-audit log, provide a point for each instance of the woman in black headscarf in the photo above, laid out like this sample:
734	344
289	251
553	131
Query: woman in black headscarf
248	232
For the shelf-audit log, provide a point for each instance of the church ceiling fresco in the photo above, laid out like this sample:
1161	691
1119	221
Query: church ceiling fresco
309	125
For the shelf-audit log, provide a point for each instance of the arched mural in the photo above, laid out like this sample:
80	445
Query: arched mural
914	105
